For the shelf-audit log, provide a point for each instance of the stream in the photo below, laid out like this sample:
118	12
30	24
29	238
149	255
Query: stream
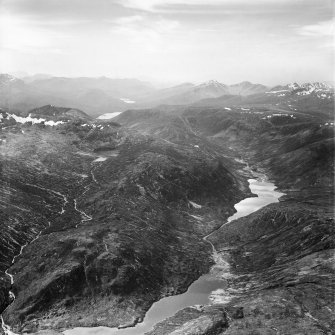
202	291
6	328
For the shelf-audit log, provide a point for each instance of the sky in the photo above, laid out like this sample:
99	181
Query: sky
264	41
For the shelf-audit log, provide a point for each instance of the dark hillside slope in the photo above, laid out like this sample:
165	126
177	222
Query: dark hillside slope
297	149
58	113
118	231
281	257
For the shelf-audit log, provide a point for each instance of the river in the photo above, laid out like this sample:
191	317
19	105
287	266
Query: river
202	291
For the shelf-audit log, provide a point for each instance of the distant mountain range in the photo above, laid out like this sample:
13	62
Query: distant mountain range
323	90
189	93
97	96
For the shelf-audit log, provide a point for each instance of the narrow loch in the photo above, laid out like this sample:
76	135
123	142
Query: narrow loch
200	291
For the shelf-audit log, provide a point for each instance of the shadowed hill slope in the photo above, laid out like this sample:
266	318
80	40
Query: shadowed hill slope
281	256
118	230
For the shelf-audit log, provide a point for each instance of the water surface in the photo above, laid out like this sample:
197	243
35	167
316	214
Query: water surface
108	116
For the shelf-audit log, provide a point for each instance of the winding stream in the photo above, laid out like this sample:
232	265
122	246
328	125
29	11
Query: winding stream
202	291
6	328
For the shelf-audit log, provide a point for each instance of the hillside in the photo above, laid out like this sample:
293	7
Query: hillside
280	256
126	183
102	218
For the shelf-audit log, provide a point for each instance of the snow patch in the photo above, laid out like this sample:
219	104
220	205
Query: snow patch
195	205
273	92
21	119
100	159
127	101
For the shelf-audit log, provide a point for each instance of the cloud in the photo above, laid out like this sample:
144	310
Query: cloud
324	28
65	10
174	39
27	36
194	5
137	25
140	23
146	31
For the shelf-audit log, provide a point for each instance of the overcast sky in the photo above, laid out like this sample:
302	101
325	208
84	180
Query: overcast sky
266	41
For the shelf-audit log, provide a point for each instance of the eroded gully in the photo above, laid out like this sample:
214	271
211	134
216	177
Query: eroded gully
6	328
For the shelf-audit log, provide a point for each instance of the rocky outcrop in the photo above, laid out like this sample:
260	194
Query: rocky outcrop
197	320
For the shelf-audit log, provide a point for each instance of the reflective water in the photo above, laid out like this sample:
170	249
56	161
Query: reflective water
208	287
108	115
266	194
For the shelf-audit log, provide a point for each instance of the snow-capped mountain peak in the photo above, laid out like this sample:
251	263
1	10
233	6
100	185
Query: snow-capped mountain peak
293	86
316	86
8	79
212	83
320	89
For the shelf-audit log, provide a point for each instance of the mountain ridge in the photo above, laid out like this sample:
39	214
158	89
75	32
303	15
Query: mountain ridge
102	95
